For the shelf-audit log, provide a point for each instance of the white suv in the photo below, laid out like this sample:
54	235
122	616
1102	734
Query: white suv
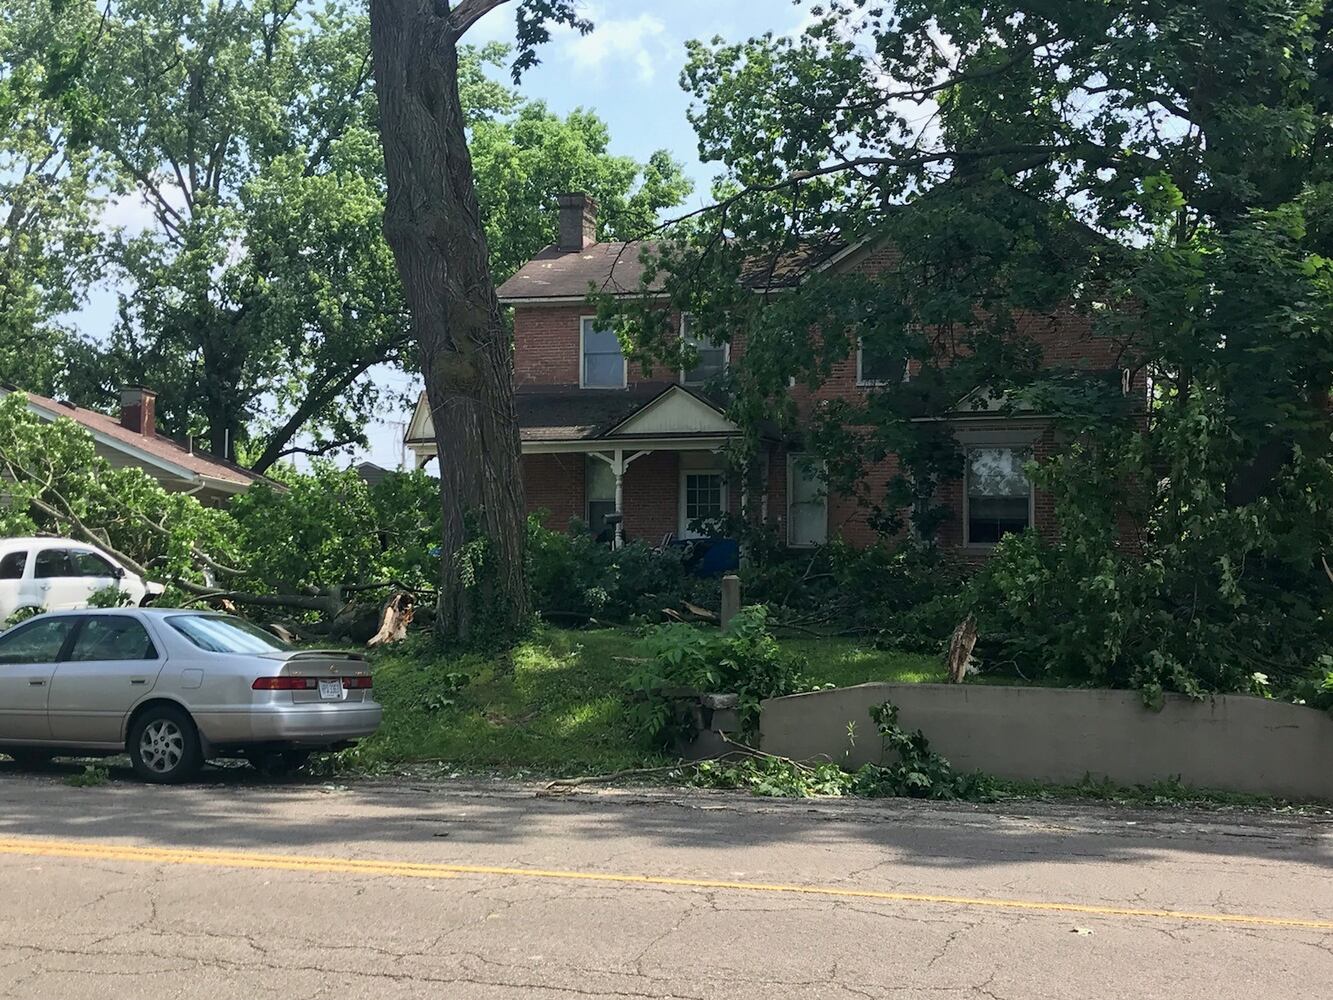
56	574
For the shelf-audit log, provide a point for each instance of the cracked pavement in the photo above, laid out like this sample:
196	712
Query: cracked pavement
87	927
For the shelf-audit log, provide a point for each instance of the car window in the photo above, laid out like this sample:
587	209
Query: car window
224	634
38	641
11	566
90	564
52	562
113	637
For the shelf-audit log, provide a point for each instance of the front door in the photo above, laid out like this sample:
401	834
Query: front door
28	655
111	665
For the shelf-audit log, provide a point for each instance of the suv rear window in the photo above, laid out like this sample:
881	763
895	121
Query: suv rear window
11	566
225	634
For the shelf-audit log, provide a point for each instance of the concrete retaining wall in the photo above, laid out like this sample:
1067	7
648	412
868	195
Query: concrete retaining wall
1233	743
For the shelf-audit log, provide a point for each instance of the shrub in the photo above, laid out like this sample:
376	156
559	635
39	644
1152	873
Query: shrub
744	660
574	574
908	597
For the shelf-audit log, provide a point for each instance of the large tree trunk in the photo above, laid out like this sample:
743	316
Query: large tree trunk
433	224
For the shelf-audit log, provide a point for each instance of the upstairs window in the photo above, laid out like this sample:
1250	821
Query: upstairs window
879	365
603	362
712	357
998	498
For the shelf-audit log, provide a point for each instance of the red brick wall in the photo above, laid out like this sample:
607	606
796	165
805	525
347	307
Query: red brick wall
555	484
547	353
652	485
546	347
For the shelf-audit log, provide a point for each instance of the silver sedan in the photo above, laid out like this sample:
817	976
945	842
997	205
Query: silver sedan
173	688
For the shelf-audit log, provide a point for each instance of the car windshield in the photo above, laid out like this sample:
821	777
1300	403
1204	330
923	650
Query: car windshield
224	634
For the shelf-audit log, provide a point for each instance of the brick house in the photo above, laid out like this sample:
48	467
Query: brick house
598	437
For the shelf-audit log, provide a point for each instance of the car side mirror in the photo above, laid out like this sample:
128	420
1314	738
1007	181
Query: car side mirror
119	572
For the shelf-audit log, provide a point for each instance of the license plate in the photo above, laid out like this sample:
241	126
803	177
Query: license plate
331	690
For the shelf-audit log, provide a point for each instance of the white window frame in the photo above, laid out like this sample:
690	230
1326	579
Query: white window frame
726	354
967	498
862	381
683	522
793	457
584	321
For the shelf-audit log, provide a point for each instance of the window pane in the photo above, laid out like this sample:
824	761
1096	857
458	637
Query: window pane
51	563
601	480
703	495
997	472
807	504
90	564
598	341
712	356
881	363
998	494
113	637
11	567
38	642
605	371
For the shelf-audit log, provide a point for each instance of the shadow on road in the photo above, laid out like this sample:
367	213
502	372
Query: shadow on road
236	807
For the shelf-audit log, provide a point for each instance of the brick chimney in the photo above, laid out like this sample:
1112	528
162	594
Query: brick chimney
138	410
578	221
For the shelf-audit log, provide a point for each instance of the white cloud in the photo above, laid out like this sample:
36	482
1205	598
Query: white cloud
641	42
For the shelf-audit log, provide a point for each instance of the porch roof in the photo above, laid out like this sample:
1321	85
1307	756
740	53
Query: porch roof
658	411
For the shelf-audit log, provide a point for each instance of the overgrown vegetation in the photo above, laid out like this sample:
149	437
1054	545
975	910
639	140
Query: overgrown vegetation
555	705
679	659
909	769
574	576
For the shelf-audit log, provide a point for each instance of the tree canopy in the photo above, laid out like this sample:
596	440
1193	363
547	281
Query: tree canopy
1162	170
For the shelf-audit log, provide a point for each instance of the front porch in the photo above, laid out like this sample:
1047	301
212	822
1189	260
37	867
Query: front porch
645	463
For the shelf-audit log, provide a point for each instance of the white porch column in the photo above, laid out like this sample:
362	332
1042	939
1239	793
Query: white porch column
618	469
619	463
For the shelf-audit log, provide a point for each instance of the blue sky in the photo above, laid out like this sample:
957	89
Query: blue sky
627	70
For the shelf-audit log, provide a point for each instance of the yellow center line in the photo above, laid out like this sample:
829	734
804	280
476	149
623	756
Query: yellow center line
411	869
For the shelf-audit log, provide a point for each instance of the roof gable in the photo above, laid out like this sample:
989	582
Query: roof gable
675	411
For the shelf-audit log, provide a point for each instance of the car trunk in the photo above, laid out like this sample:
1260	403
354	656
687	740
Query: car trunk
330	676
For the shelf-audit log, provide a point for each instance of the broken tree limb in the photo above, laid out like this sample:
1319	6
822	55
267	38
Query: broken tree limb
961	643
395	616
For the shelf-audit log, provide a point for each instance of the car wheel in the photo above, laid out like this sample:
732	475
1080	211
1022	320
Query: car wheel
30	759
164	745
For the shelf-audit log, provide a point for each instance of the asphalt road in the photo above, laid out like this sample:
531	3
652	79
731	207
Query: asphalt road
236	889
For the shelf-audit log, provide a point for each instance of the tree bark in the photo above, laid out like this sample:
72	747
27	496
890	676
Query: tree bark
432	222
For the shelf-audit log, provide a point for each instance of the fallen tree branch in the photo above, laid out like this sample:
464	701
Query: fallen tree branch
567	784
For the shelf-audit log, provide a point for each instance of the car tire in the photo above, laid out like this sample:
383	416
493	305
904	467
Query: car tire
30	760
163	745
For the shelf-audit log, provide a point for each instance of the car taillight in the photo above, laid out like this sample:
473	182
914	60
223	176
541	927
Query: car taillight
283	683
359	683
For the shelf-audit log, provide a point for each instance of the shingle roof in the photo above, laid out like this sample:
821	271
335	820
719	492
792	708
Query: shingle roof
617	268
200	463
570	413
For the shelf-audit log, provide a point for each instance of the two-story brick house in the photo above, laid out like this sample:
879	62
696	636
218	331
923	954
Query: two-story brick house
598	437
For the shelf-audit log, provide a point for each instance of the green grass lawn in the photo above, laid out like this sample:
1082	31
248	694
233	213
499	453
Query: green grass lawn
559	710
